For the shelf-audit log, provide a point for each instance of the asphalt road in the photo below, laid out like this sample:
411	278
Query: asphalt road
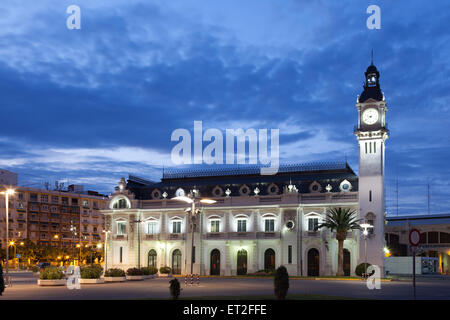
25	287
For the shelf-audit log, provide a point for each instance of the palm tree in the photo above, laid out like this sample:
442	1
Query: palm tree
342	220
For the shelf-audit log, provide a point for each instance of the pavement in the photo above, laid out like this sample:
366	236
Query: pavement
24	286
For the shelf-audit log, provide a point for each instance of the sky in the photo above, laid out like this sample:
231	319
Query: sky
93	105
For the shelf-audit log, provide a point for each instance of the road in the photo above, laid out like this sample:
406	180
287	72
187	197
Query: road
25	287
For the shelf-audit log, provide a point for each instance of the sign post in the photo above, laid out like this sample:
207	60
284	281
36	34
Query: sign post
414	240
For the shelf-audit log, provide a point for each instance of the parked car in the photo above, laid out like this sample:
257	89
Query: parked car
42	265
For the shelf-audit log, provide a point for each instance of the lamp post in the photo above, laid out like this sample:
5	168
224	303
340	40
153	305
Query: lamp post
13	244
73	229
106	244
365	226
7	193
192	215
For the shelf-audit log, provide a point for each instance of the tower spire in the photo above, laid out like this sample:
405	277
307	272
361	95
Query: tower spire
371	60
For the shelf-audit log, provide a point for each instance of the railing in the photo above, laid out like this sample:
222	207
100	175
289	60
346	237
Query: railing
152	237
267	235
215	235
176	236
311	234
120	237
241	235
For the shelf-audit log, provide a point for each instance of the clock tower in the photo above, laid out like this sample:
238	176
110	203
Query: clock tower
372	133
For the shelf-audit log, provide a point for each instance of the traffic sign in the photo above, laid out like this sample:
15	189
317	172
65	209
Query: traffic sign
18	255
414	237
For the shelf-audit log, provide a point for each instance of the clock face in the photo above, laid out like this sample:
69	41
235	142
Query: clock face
179	192
370	116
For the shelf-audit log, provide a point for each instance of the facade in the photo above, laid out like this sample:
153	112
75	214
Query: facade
46	217
257	222
434	247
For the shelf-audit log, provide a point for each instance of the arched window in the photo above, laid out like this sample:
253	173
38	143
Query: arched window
313	262
215	262
242	262
121	203
176	262
152	258
269	259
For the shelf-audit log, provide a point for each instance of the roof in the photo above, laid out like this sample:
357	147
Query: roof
300	175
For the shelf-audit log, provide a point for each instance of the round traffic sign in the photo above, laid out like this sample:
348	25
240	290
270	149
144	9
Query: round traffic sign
414	237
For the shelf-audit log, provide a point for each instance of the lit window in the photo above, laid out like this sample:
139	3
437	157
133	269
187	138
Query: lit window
242	225
313	224
176	226
151	227
269	225
215	224
121	227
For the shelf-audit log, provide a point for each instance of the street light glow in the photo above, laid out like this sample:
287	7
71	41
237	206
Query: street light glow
183	198
208	201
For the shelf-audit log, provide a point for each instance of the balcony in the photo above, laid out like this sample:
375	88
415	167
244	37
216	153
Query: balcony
215	235
268	235
242	235
120	237
176	236
311	234
152	237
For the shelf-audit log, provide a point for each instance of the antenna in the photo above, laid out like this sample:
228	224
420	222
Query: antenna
371	61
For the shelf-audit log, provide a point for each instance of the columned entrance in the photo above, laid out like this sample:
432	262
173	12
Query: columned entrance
313	262
242	262
215	263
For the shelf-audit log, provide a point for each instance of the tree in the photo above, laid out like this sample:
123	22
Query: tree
174	288
340	220
281	283
2	282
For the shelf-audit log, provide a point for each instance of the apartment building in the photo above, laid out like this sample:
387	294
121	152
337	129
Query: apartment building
53	218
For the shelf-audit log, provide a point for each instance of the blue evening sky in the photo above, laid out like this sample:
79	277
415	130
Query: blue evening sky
92	105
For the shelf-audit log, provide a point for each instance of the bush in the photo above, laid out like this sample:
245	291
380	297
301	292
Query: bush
35	269
165	270
281	283
114	273
174	288
134	272
51	273
148	271
360	269
90	273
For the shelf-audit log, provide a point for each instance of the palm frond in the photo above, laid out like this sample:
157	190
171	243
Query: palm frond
341	220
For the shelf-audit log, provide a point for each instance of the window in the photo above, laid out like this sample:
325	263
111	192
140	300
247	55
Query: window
121	254
176	226
374	147
193	254
289	254
269	225
95	205
242	225
215	225
85	204
121	204
370	195
75	201
44	198
313	224
371	222
65	201
55	199
121	227
152	258
33	197
20	196
151	227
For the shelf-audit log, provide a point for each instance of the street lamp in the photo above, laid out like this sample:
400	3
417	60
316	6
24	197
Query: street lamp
106	244
7	193
192	215
138	221
365	227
